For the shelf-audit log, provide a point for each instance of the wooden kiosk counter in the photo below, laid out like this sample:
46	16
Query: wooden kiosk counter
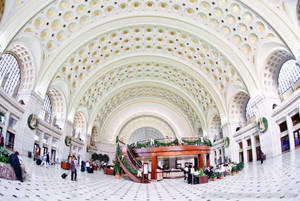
179	150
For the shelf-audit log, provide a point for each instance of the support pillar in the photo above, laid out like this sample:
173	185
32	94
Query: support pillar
153	167
289	124
253	147
245	150
200	161
4	128
207	160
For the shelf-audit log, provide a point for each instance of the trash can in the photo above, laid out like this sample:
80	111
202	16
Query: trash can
29	154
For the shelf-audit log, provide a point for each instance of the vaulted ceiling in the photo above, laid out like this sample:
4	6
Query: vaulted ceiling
195	55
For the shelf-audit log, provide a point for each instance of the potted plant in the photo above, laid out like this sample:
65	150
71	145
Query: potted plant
117	169
233	170
221	175
203	178
213	176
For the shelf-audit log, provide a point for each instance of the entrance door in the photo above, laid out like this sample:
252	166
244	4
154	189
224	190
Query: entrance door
297	137
250	158
285	143
241	157
10	140
258	153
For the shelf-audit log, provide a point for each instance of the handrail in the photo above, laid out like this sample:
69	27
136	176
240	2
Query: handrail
132	157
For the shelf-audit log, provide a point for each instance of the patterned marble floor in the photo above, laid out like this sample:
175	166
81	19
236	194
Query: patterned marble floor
276	179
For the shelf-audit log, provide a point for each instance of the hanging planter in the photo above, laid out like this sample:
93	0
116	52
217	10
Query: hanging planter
32	121
226	142
68	141
262	124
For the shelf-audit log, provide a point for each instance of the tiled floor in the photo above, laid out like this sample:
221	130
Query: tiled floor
276	179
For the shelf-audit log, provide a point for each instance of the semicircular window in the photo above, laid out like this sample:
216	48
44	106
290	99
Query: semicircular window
289	74
10	74
46	110
249	110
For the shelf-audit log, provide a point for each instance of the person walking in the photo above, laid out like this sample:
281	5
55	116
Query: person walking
73	169
262	157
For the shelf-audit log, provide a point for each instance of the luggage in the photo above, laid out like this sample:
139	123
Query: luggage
38	161
64	175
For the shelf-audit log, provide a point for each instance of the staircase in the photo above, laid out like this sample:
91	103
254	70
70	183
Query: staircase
124	151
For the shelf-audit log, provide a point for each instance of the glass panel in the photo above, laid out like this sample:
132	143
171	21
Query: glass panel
10	73
249	110
46	110
289	73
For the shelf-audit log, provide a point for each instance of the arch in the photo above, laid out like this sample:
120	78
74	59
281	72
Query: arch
242	63
145	133
271	70
215	130
27	65
145	107
139	122
10	74
238	108
79	126
59	107
156	89
111	70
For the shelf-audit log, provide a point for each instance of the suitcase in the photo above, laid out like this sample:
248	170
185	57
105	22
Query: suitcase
38	161
64	175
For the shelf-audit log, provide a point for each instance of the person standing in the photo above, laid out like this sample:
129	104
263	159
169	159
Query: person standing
261	157
47	159
15	163
73	169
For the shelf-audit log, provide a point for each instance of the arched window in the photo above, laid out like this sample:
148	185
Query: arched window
289	73
249	110
10	74
46	110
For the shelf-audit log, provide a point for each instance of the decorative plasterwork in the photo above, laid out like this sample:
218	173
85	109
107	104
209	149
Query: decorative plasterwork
145	121
151	71
233	19
238	108
91	56
146	91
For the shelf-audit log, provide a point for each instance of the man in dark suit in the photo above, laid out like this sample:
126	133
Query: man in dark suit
15	163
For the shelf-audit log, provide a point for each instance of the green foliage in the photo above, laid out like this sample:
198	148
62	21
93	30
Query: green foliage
164	144
117	167
201	173
100	157
105	158
119	155
226	142
240	166
67	140
4	155
94	156
233	169
2	114
207	142
193	142
219	174
213	175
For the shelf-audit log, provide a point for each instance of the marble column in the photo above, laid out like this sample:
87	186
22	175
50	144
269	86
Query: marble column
289	124
200	160
4	128
253	147
245	155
